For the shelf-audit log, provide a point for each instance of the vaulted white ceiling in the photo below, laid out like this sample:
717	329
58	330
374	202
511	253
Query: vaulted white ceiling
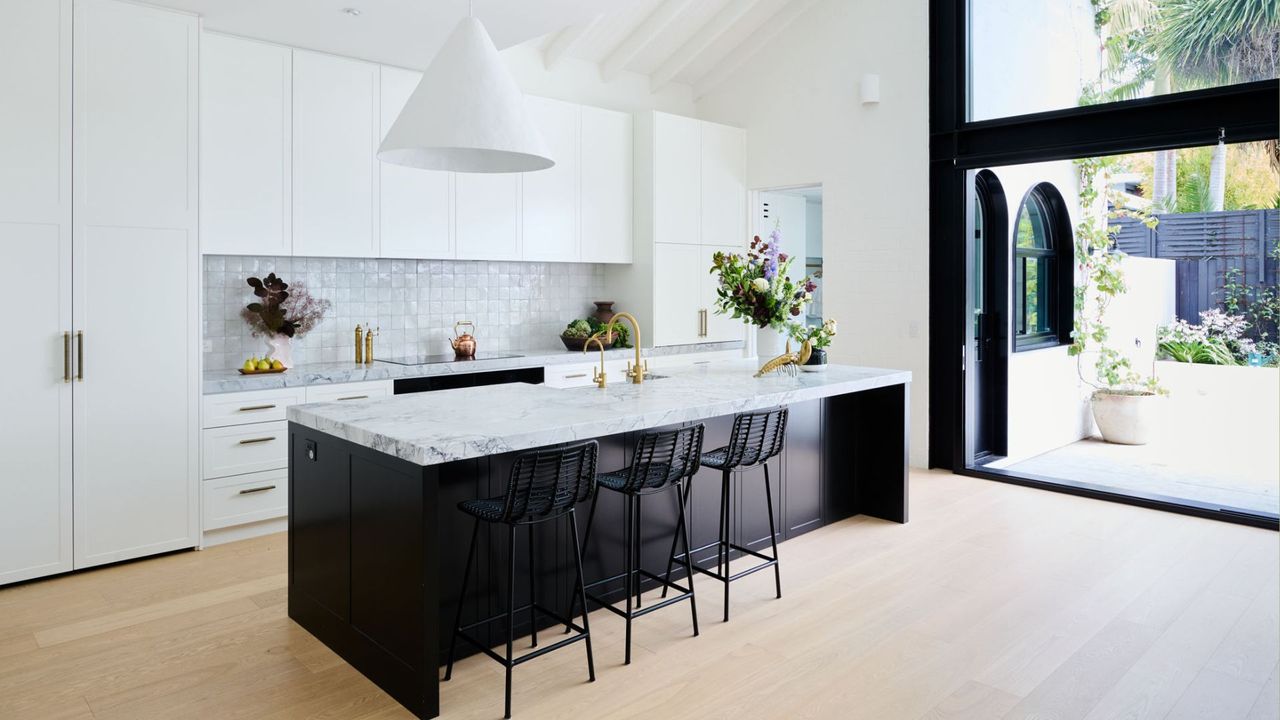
694	42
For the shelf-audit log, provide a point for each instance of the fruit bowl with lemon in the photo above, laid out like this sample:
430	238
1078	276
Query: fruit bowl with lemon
256	366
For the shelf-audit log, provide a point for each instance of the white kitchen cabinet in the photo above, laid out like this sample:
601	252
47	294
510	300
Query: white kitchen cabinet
715	328
246	96
243	499
724	185
676	144
350	392
416	205
487	208
335	137
606	190
678	294
135	405
35	276
549	204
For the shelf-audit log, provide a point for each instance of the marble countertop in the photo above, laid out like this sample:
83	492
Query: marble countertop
448	425
225	381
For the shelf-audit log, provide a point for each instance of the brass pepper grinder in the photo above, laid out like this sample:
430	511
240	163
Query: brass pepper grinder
359	345
368	343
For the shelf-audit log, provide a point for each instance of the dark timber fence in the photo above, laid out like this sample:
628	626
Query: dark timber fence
1205	246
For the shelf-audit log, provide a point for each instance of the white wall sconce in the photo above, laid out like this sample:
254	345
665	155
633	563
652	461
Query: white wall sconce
869	89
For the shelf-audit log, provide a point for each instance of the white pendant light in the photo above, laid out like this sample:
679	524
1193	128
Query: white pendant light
467	114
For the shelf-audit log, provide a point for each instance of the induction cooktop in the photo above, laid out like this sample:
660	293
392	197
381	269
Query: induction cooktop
437	359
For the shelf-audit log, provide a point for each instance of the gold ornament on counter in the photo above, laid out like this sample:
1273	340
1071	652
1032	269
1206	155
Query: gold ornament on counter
368	344
788	362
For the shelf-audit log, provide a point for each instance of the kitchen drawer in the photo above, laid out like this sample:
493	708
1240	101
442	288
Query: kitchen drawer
241	449
349	391
249	407
581	374
245	499
715	357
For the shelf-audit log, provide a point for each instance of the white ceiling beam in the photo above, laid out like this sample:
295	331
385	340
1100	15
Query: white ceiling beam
646	32
745	50
565	41
715	28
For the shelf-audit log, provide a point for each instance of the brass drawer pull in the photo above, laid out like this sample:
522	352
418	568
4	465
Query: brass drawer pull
254	441
354	397
251	408
80	355
575	375
66	356
264	488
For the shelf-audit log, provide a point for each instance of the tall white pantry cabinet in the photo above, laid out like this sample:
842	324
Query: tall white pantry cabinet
98	235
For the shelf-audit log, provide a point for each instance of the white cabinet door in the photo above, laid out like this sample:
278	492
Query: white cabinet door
549	206
136	408
487	208
35	262
245	103
415	204
606	186
677	278
724	185
677	172
335	135
717	328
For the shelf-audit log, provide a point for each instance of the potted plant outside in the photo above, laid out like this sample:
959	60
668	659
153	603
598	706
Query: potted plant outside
1125	404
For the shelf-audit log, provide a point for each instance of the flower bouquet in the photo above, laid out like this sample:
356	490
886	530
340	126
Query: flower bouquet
819	337
281	315
755	288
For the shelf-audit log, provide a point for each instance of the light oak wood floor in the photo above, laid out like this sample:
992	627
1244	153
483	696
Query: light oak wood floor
994	602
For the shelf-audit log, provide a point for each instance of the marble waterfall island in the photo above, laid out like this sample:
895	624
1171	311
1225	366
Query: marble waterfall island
377	546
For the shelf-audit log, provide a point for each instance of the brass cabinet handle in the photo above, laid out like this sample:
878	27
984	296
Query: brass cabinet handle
354	397
575	375
250	408
264	488
66	356
254	441
702	322
80	355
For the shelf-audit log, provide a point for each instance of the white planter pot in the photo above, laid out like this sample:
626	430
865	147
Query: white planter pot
1126	419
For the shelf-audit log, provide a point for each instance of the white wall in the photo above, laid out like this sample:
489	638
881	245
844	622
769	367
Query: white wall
798	100
578	81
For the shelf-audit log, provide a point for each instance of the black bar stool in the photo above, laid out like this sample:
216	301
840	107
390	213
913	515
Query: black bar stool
544	485
756	438
662	460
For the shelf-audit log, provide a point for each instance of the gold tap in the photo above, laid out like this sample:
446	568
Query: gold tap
637	372
359	345
600	377
368	344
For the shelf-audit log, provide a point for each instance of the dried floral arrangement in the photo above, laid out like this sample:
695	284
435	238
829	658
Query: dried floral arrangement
282	309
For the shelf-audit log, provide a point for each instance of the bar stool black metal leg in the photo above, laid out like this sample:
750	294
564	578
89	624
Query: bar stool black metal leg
683	531
533	593
637	564
581	594
683	501
626	588
573	598
511	608
773	533
724	536
462	597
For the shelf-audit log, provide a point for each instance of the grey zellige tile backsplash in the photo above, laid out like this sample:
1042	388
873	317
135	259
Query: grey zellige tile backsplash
515	305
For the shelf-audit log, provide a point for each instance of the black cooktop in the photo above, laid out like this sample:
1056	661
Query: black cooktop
437	359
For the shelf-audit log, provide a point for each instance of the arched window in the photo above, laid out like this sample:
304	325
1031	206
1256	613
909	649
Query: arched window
1042	273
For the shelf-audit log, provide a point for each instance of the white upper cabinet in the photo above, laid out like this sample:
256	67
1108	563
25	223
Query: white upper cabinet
335	137
245	103
677	179
487	208
606	186
724	185
550	197
416	205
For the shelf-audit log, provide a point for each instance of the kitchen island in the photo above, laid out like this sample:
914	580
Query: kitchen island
377	546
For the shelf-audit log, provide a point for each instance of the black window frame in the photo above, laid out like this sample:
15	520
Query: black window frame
1057	282
957	147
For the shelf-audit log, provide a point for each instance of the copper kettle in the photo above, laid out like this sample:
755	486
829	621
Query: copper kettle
464	345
